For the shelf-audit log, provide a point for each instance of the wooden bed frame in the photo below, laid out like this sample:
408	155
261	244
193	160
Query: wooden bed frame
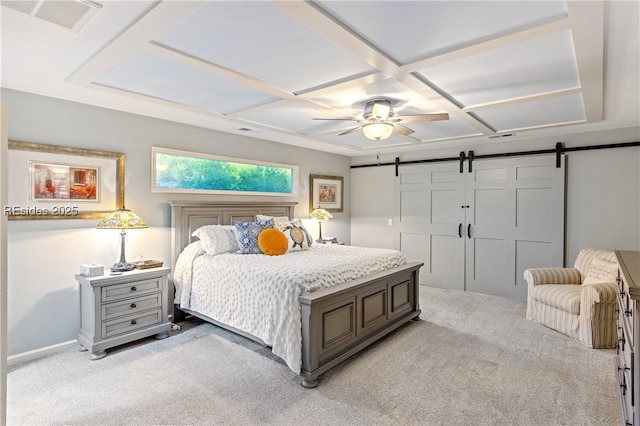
337	322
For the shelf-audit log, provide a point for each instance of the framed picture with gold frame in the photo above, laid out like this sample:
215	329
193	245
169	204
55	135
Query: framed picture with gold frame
61	182
326	192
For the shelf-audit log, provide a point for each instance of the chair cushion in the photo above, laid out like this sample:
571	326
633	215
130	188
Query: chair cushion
562	296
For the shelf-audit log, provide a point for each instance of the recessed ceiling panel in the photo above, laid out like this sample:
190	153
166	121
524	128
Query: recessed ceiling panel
295	116
147	74
539	65
258	40
550	111
412	30
433	130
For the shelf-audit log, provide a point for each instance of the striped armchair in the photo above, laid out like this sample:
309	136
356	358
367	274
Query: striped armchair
557	299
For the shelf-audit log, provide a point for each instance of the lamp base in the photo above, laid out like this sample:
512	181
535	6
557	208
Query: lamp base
122	267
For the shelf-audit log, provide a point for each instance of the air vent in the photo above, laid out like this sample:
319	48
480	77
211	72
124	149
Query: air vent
502	135
71	14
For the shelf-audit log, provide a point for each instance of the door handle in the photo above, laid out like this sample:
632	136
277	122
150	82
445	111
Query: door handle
459	230
469	230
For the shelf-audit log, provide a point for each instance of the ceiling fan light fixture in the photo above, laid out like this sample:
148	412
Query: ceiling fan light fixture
377	131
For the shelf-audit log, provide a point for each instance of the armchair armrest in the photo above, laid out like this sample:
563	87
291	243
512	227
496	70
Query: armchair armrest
598	293
538	276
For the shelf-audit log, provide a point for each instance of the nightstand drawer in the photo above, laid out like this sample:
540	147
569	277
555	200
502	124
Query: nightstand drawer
131	323
131	306
120	291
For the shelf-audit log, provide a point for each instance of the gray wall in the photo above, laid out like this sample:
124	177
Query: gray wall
602	197
44	255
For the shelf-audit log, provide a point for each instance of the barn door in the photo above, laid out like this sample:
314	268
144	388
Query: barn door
430	220
479	230
515	221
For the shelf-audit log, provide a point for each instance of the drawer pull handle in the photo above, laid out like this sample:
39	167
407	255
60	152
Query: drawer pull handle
133	305
134	288
622	293
134	322
628	313
622	341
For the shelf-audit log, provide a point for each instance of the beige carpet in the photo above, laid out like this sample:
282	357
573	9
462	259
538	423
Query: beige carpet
472	360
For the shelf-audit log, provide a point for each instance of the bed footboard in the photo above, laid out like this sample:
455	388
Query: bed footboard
339	322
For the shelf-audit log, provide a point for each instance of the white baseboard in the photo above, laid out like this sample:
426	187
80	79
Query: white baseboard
40	353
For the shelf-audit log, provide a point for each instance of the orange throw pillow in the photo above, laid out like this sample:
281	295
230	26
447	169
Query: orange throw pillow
273	242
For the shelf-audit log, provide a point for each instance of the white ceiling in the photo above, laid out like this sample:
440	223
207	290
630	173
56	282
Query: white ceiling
533	68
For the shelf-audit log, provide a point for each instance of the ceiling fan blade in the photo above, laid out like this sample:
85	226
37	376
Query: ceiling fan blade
403	130
336	119
350	131
420	117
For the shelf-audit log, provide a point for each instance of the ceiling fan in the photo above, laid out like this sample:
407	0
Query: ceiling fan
379	121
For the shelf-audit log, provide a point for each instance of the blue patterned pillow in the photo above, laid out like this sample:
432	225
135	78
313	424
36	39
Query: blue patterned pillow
247	235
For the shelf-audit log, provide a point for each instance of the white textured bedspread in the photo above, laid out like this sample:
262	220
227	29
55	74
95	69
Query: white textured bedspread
258	294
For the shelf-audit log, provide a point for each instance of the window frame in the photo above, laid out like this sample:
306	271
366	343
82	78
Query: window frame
295	176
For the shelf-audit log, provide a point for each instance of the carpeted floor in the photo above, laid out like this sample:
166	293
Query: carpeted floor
472	360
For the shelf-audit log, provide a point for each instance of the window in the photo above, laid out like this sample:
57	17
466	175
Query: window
182	171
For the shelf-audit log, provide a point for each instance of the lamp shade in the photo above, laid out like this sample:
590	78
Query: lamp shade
377	131
321	214
122	219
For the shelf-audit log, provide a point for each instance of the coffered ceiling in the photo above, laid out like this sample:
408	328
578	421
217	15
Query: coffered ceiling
268	68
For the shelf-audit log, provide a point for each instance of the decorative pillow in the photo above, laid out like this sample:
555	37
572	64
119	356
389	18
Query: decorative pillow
299	238
601	271
273	242
217	239
247	235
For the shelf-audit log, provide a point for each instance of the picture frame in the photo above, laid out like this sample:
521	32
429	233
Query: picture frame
60	182
326	192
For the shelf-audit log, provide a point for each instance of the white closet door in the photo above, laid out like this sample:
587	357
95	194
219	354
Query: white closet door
510	214
429	221
515	221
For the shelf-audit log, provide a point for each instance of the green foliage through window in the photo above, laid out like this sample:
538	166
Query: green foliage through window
177	171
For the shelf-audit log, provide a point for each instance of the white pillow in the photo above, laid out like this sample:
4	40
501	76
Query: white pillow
601	271
217	239
264	218
299	238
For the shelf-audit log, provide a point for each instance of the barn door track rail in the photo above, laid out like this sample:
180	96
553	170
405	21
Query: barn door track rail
558	151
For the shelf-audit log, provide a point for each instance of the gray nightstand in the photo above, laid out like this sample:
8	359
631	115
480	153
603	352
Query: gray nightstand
117	309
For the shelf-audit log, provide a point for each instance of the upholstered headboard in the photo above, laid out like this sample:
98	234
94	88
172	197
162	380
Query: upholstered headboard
187	216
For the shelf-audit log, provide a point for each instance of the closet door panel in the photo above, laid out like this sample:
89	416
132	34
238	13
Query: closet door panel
485	266
428	220
519	202
489	218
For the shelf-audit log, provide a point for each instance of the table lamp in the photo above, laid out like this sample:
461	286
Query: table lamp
320	214
122	219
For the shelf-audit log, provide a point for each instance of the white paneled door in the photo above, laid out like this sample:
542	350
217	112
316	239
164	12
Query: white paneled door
479	230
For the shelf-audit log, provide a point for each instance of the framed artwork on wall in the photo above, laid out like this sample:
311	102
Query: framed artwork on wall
326	192
61	182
